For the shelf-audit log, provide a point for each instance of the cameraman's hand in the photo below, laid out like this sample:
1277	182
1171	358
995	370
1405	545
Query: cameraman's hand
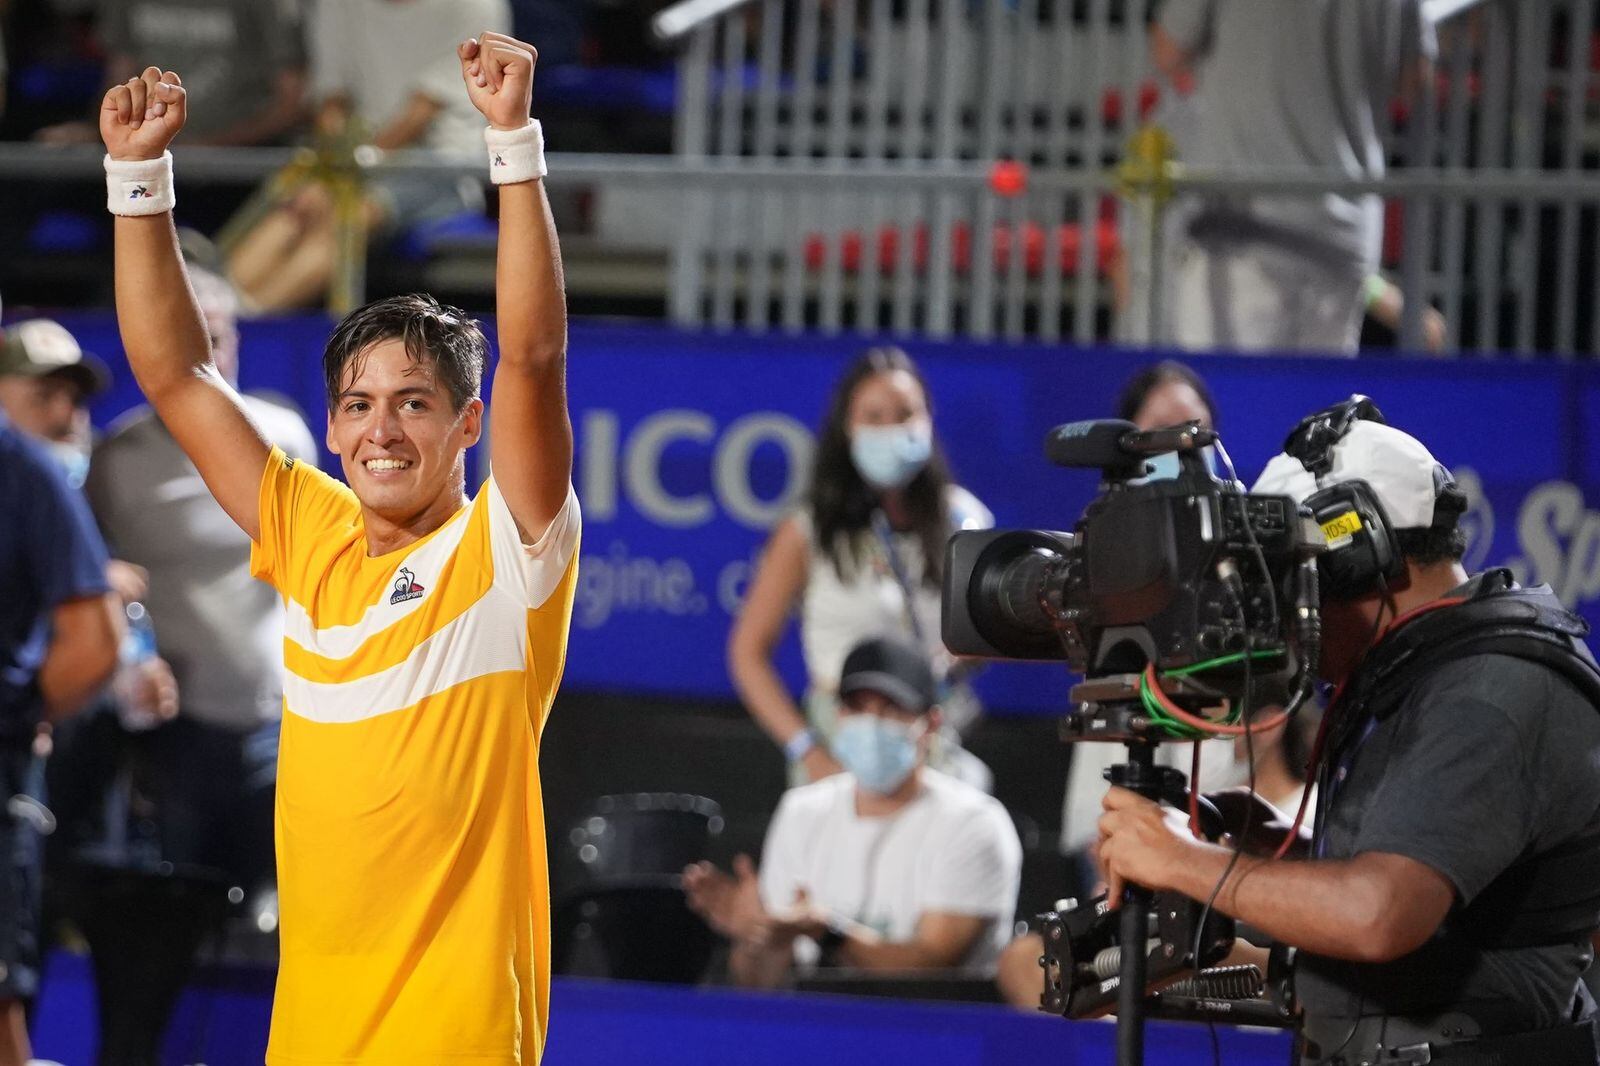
140	117
1142	842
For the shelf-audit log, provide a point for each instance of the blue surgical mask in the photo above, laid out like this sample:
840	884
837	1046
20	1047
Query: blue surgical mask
888	457
879	753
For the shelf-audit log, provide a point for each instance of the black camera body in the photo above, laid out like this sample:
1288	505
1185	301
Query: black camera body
1171	571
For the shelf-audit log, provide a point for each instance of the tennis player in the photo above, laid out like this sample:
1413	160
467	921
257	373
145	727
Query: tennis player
426	629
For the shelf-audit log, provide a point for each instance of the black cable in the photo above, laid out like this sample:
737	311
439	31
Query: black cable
1248	709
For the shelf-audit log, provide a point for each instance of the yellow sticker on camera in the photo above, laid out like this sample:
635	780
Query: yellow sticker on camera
1339	530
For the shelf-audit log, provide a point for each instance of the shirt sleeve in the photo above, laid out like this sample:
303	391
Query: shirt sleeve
532	572
978	869
63	547
299	505
967	511
1188	23
1459	793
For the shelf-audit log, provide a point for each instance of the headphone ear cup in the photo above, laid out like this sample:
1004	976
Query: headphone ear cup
1362	545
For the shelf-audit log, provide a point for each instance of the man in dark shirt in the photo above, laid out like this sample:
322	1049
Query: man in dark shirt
1452	894
59	629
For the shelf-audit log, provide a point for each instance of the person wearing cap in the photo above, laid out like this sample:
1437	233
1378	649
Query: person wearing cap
890	866
46	382
208	770
1454	889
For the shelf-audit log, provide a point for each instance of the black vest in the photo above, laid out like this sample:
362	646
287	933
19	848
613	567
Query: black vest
1549	898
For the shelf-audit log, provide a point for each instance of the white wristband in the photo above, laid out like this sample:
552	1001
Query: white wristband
140	186
516	155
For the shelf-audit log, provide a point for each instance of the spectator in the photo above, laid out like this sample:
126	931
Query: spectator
379	76
1284	86
208	773
862	559
890	866
46	380
59	631
243	62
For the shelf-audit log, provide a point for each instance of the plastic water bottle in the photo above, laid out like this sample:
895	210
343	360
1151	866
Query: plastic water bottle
138	648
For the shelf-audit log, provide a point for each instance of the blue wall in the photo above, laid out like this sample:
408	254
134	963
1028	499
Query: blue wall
690	444
621	1024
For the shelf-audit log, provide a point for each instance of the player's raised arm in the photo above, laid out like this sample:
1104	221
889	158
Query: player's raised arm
162	329
530	433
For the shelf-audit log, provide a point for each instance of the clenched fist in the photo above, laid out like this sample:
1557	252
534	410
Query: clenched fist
140	117
498	71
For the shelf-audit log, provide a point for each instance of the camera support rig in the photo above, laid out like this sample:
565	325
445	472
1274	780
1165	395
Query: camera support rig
1089	968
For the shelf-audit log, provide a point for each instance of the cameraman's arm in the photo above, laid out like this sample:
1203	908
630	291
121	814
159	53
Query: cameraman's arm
1372	908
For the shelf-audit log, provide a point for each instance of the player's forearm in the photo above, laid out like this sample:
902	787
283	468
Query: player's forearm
530	290
162	329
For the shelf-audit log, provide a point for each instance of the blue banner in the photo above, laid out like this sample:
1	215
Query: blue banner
691	445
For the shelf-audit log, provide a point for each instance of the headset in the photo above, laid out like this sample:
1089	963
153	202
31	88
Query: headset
1363	553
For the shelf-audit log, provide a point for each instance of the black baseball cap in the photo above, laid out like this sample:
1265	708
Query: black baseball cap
892	669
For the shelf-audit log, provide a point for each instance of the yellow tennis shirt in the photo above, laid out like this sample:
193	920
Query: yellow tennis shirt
413	889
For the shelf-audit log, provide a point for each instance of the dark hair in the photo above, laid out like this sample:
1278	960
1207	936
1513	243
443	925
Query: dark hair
431	331
842	502
1151	378
1425	547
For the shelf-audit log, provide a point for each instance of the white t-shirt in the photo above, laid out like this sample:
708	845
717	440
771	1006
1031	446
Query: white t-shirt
839	613
951	850
379	52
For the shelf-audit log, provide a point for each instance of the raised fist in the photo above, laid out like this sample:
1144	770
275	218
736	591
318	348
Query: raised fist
139	118
498	71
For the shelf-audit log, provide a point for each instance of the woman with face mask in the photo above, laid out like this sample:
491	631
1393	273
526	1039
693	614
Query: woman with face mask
861	558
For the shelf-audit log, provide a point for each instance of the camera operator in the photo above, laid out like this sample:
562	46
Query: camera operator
1447	913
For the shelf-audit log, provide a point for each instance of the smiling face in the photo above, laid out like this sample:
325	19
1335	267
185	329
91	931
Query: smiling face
399	437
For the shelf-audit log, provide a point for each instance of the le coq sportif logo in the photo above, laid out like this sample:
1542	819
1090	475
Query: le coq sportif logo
406	587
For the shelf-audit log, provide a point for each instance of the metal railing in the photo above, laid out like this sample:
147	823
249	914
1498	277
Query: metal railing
896	85
872	202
